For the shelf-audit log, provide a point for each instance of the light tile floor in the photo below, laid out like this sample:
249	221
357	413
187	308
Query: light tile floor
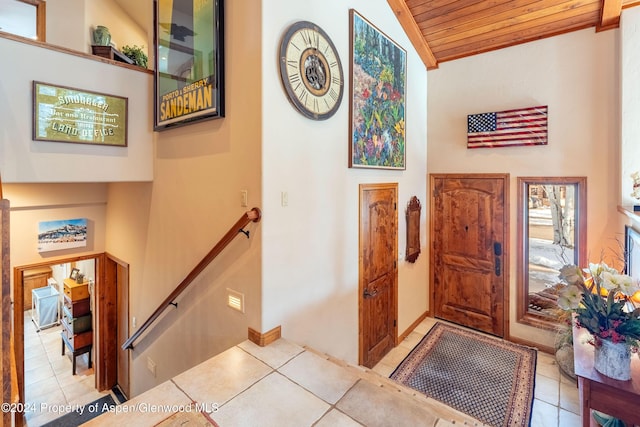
50	387
284	384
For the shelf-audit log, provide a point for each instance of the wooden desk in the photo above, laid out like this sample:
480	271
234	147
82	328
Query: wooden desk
620	399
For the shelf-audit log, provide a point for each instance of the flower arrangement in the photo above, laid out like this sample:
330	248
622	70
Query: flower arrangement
602	302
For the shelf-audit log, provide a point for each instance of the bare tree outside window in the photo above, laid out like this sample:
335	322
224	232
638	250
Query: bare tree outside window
549	239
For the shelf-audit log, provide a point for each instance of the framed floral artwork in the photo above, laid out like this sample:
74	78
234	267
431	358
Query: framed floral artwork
377	89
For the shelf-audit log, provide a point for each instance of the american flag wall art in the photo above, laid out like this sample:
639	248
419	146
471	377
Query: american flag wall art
524	126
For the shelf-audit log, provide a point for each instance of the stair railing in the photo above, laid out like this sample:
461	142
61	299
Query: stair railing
253	215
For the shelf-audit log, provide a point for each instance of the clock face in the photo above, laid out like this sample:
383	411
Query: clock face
311	71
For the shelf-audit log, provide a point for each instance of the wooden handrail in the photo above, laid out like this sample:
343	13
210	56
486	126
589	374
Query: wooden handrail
253	215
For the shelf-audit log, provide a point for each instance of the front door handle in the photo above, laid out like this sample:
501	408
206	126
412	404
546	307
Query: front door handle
497	251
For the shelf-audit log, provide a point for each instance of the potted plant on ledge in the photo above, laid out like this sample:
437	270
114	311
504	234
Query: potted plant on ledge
136	54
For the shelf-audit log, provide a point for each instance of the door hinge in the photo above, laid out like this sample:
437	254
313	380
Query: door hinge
395	207
395	264
394	323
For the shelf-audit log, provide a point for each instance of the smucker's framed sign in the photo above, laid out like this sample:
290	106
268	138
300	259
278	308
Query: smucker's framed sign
65	114
189	62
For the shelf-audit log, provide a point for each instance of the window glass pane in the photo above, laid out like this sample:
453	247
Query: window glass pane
18	18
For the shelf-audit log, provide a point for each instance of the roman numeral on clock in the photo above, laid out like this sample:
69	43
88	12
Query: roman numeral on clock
294	78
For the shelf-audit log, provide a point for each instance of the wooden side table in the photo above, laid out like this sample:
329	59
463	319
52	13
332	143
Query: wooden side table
620	399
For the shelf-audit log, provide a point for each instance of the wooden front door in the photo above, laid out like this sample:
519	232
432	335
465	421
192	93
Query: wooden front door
378	280
469	232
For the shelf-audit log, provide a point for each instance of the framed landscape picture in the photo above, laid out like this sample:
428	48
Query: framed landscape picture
189	62
377	89
62	234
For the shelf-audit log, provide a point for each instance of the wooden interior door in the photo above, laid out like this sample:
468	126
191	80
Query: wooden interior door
122	297
112	317
378	281
469	258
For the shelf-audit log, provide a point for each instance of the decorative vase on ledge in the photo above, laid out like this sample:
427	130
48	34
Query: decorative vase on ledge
101	36
613	359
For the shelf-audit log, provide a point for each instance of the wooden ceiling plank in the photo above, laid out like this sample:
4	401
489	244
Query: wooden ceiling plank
433	4
430	10
407	22
610	15
522	34
507	39
472	13
527	29
630	3
508	20
416	3
525	12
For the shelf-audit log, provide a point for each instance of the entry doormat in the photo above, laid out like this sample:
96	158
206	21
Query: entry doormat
88	412
485	377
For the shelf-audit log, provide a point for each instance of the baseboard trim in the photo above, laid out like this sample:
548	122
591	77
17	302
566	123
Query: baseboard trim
264	339
412	327
543	348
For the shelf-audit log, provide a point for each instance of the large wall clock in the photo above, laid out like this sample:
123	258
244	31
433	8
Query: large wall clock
311	71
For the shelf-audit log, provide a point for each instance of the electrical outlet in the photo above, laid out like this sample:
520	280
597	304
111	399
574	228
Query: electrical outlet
244	198
284	198
151	366
134	322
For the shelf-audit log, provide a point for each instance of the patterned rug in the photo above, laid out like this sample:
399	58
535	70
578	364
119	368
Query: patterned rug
485	377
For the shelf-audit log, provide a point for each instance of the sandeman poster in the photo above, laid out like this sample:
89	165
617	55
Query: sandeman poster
189	61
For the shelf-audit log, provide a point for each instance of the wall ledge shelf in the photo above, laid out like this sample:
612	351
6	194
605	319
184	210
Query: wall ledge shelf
628	211
110	52
68	51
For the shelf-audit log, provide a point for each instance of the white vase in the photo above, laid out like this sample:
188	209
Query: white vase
613	360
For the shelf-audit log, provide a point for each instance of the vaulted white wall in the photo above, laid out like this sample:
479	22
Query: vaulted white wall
310	247
577	76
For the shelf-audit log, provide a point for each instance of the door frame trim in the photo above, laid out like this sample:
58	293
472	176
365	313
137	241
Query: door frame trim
18	310
361	349
506	252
